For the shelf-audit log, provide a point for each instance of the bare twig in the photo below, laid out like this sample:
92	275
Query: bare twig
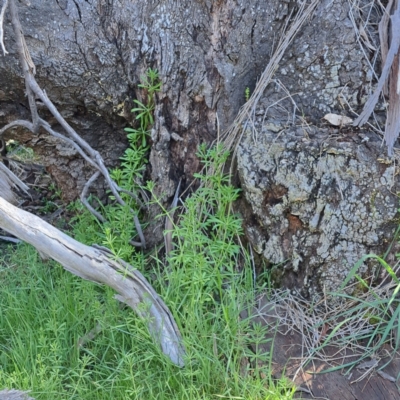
10	239
133	195
19	122
85	202
138	230
169	222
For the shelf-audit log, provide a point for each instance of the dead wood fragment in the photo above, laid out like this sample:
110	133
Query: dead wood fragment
5	188
8	181
2	12
383	30
393	118
96	266
390	61
13	394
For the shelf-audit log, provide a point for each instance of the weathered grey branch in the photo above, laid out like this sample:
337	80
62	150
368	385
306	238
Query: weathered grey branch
19	122
84	200
95	265
169	222
392	129
5	188
13	179
14	395
133	195
2	12
10	239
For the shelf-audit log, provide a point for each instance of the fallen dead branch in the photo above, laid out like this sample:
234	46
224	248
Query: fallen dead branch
96	265
87	262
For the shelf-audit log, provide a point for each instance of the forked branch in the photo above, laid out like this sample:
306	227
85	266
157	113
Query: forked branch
33	91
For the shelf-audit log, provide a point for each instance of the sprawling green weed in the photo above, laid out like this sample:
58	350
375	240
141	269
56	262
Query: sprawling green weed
206	281
119	230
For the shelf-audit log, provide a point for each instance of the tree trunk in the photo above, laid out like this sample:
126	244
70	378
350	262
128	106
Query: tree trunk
89	57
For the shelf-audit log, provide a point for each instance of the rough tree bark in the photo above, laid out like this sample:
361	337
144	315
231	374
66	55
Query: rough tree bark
320	196
89	57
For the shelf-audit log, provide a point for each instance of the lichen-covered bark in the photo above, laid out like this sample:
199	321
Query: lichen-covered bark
89	57
317	198
321	198
326	68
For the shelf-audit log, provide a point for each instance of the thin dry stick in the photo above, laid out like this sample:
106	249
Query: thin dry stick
2	12
169	222
84	200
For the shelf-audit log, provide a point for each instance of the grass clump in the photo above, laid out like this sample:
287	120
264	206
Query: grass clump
372	313
206	282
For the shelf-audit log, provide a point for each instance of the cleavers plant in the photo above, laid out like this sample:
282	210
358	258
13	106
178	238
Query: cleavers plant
120	229
206	282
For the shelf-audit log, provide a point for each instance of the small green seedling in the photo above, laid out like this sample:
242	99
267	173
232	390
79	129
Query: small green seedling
247	93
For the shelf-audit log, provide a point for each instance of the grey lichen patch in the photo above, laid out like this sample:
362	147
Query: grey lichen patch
324	199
